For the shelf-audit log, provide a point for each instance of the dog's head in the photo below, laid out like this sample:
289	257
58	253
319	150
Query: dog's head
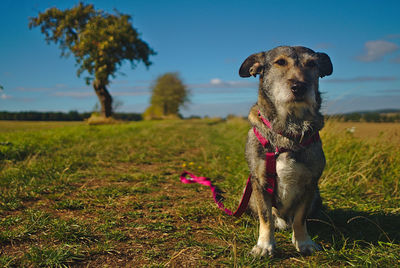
289	76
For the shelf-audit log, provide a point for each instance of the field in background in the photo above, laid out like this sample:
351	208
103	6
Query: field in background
11	126
79	195
380	131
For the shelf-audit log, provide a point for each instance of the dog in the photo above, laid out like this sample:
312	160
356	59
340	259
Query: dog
286	114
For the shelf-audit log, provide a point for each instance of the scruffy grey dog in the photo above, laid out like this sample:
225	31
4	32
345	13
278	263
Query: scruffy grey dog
289	99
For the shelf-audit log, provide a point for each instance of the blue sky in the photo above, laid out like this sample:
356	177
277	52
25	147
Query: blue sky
206	42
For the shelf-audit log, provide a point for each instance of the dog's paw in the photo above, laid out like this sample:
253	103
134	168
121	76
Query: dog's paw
281	224
263	249
306	247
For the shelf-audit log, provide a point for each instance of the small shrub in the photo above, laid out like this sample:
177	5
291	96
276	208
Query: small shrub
96	119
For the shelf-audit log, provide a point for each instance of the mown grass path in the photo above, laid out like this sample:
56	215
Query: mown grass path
99	196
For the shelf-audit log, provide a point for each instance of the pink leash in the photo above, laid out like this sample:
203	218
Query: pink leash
207	182
270	176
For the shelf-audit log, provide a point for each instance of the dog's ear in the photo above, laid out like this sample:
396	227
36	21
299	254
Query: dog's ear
324	64
252	65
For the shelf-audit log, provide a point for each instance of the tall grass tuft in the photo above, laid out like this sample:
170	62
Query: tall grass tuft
361	170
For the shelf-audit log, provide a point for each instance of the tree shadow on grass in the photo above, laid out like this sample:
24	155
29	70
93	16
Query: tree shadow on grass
338	225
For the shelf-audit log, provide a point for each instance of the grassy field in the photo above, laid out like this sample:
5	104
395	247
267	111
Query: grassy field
372	131
98	196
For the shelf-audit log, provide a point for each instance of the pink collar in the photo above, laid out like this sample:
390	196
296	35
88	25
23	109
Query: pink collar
265	121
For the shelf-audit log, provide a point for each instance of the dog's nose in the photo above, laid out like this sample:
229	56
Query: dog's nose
299	88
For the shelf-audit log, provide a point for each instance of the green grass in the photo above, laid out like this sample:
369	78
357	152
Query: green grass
79	195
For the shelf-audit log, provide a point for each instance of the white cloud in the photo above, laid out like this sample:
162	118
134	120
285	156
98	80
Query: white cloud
219	83
361	103
5	96
377	49
359	79
131	88
74	94
33	89
216	81
61	86
126	93
81	95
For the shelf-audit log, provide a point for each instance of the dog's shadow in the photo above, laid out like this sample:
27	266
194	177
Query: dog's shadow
340	226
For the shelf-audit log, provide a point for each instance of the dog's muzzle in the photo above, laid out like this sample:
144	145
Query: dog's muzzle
298	88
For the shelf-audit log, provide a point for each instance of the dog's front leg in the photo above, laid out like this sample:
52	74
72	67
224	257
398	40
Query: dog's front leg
266	240
300	237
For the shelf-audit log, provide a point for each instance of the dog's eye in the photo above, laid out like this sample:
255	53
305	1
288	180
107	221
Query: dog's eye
281	62
310	64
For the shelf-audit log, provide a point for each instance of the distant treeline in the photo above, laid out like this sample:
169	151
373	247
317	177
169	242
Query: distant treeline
367	117
76	116
60	116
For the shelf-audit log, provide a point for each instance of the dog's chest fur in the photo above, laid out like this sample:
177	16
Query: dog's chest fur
297	172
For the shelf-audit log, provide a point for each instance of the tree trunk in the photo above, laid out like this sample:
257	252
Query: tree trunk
165	108
104	98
